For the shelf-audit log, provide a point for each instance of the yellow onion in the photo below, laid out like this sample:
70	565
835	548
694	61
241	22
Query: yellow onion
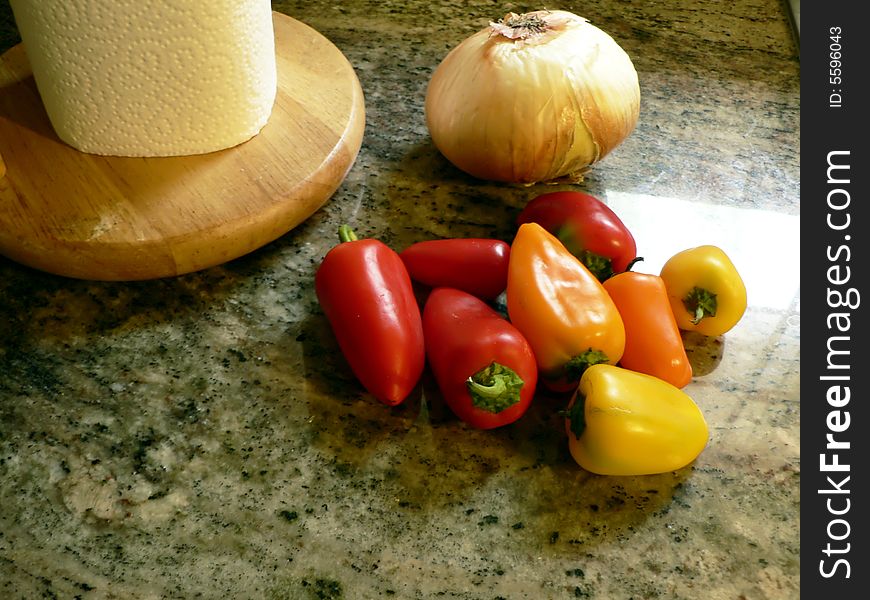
534	97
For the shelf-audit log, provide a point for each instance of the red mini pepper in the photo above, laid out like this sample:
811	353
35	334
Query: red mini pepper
478	266
367	296
483	365
587	227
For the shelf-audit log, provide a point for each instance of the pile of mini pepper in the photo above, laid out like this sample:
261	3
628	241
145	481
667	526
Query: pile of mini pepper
578	322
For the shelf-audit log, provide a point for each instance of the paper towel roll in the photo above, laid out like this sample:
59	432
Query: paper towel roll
151	77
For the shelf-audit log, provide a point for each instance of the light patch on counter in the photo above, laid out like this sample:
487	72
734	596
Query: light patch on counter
763	245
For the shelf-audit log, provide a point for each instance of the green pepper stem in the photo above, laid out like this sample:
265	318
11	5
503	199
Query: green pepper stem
577	415
701	303
346	234
634	261
494	388
600	266
575	367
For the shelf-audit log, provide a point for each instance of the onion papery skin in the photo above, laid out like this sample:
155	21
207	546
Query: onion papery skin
534	110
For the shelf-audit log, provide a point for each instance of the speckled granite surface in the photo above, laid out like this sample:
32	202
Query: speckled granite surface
201	437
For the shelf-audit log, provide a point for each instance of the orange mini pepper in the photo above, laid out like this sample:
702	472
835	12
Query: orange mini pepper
653	344
561	308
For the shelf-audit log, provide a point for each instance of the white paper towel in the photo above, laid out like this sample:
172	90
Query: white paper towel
151	77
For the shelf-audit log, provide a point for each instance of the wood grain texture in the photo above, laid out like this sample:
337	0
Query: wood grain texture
116	218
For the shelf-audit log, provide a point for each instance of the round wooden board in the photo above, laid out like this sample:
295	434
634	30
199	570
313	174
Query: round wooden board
113	218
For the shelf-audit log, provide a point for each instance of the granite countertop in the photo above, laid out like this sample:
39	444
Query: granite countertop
202	436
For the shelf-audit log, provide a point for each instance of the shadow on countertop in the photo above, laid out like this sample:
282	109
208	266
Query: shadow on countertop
8	31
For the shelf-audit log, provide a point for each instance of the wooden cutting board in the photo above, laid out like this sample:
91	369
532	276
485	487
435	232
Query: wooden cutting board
113	218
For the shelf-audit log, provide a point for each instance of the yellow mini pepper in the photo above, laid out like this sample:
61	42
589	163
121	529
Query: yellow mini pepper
561	308
706	292
622	422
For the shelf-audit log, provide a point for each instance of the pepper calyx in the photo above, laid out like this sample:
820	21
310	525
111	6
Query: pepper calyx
577	415
700	303
575	367
600	266
494	388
